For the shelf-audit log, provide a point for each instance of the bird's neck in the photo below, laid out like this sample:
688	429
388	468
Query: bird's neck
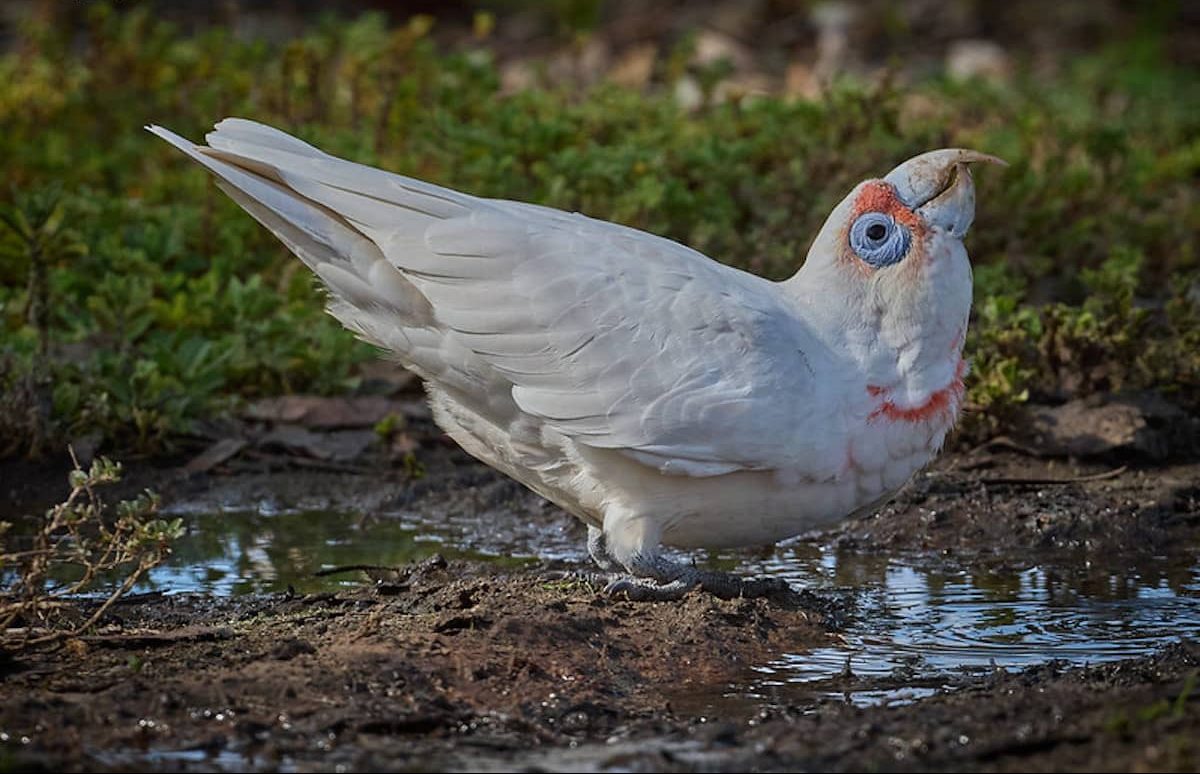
916	380
902	355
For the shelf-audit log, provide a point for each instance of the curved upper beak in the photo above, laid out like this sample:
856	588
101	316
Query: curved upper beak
938	186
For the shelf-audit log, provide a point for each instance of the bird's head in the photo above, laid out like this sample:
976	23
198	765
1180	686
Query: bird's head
889	264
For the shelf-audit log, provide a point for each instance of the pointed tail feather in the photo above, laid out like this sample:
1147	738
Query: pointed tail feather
349	263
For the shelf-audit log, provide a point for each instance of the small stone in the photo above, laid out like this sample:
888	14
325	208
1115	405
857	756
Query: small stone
982	59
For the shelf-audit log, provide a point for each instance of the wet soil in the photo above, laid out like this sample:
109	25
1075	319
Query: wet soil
1000	507
468	665
459	667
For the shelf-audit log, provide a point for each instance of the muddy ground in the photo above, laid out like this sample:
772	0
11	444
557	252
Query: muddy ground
463	665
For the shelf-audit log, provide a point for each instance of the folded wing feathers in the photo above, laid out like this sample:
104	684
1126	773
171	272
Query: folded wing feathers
598	329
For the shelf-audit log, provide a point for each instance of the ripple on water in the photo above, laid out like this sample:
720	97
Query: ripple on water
916	616
919	616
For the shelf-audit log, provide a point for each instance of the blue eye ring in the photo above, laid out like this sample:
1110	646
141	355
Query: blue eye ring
879	240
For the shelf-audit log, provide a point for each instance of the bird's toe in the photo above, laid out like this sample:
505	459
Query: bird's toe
591	578
646	590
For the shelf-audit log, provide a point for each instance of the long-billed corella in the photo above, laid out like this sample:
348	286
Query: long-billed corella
657	395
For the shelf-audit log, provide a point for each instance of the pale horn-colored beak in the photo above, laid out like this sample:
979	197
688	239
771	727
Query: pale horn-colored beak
938	186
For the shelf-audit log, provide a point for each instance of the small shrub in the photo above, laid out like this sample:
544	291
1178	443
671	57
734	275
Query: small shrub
81	539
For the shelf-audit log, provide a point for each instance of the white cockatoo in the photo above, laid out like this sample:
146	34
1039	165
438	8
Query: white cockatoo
655	394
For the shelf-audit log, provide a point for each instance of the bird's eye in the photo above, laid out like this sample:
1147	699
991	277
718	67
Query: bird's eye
878	239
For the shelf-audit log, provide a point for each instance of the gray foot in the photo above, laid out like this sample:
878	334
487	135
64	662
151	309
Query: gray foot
656	579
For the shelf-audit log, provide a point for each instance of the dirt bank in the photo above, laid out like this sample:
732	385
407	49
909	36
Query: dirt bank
467	665
457	666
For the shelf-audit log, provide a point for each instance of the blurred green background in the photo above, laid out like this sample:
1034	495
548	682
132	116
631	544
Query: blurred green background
135	299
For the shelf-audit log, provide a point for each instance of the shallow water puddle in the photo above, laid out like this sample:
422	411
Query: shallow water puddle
922	620
248	552
918	621
920	615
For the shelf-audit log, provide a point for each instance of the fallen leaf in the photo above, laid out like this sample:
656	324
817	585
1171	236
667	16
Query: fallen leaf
338	445
322	413
221	451
635	67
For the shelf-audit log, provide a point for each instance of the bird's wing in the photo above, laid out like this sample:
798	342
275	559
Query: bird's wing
614	337
625	340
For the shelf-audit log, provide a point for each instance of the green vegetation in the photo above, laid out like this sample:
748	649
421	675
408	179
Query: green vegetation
135	298
78	546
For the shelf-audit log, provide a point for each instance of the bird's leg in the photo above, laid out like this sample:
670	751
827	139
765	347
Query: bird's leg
632	539
598	549
637	571
597	546
653	578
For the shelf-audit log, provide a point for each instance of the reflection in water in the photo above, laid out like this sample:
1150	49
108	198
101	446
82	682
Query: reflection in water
252	552
919	615
915	616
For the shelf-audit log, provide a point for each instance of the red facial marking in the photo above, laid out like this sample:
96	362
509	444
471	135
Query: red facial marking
878	196
944	402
